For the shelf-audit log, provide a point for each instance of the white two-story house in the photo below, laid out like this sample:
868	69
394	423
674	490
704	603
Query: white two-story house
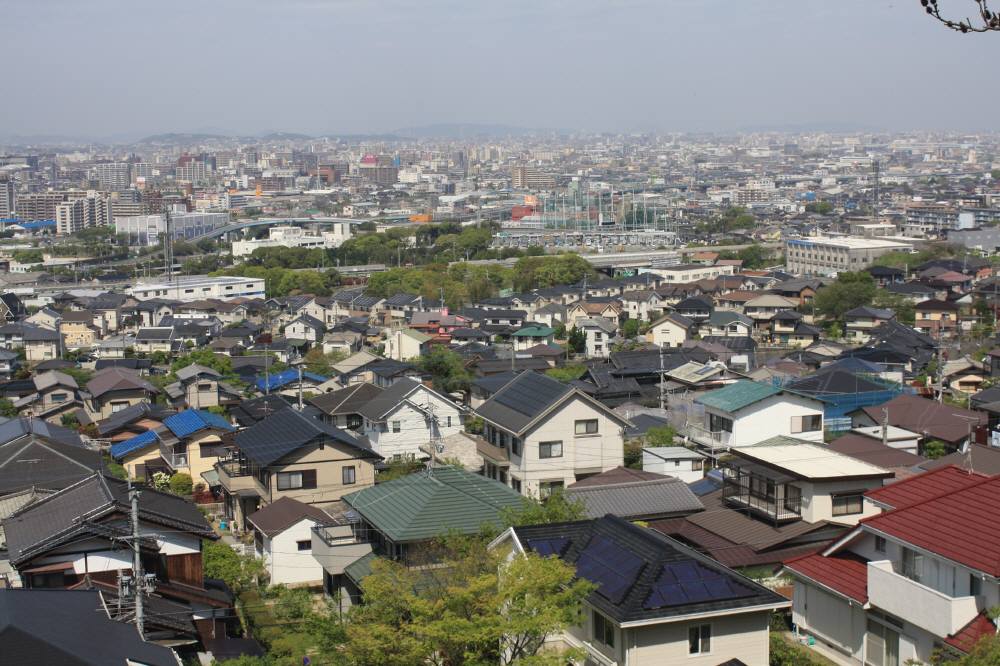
747	412
406	416
919	579
542	435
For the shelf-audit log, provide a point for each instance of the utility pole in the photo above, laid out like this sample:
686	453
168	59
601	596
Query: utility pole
137	582
662	408
885	426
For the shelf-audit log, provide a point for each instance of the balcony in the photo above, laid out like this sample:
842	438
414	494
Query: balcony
770	497
716	441
934	611
235	475
175	459
338	545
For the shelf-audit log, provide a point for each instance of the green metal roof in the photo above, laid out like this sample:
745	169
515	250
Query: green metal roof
535	332
360	568
428	504
736	396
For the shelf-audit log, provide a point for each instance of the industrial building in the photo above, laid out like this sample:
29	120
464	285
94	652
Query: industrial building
146	229
289	236
832	255
199	287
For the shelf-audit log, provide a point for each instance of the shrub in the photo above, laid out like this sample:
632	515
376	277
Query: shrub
181	484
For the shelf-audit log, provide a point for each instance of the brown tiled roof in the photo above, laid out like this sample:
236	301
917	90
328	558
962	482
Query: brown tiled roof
617	475
117	379
874	451
279	516
928	417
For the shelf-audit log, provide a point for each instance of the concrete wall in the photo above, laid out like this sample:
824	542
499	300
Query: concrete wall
328	463
744	637
771	417
414	428
285	563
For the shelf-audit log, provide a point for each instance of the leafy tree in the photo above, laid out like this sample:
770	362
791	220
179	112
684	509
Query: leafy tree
934	449
69	421
821	207
397	469
559	331
661	436
181	484
630	328
556	508
473	609
633	454
903	307
548	271
28	256
447	369
7	408
567	373
114	469
220	561
577	341
321	364
204	357
849	291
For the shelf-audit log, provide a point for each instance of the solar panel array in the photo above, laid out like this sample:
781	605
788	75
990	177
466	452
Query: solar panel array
607	564
531	393
691	582
545	547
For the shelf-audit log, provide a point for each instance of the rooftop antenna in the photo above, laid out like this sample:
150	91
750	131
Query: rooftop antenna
876	171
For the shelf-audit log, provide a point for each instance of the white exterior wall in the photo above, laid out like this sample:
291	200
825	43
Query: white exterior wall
680	469
598	342
771	417
817	500
401	347
743	636
830	618
285	563
582	454
667	334
414	428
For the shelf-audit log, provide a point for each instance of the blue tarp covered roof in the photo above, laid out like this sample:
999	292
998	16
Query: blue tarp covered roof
279	379
192	420
139	442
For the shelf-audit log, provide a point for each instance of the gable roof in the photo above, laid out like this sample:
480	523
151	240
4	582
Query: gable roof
69	628
388	399
82	508
288	430
651	495
642	575
346	400
738	395
922	487
425	505
845	572
278	516
276	380
118	379
928	417
191	421
37	461
139	442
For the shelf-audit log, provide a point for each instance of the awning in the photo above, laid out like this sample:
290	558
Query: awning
211	478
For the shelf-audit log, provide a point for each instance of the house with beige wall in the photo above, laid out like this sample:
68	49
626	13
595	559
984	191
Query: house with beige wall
114	389
541	435
292	454
656	601
670	330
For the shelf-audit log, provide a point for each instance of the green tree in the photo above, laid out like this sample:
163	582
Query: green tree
849	291
473	609
447	369
630	328
934	449
556	508
181	484
7	408
821	207
204	357
220	561
661	436
903	307
577	341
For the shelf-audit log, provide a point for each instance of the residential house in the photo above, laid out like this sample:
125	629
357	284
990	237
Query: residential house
695	308
763	308
342	407
114	389
305	327
600	333
200	387
129	422
403	344
37	454
150	339
644	305
679	462
291	454
407	415
46	318
670	330
608	309
11	307
912	291
400	520
40	344
541	435
726	323
788	328
938	319
657	601
861	321
282	534
531	336
953	426
747	412
634	495
78	330
913	584
290	382
56	394
548	315
9	363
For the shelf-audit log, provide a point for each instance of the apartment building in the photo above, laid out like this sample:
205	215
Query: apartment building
828	256
146	229
200	287
523	177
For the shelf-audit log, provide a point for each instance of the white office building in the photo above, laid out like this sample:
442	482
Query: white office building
289	236
828	256
199	287
146	229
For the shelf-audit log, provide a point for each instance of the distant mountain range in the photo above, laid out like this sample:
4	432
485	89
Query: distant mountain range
467	131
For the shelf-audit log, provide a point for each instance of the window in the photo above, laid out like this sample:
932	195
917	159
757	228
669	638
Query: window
718	423
348	475
975	585
204	387
447	422
304	545
546	488
396	426
295	480
515	484
58	397
515	446
550	450
697	465
604	630
700	639
588	427
811	423
911	564
793	499
845	505
119	406
879	544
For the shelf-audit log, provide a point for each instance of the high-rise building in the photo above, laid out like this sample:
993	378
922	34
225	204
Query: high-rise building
80	212
114	176
8	198
524	177
38	205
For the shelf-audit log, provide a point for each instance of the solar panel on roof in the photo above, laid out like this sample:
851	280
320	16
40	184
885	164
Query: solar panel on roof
547	547
613	568
691	582
530	394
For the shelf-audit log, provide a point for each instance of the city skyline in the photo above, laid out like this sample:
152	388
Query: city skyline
343	67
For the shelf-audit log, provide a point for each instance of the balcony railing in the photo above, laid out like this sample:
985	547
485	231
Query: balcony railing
337	546
771	501
936	612
175	459
716	441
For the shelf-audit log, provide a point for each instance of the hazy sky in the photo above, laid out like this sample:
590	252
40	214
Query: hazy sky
108	68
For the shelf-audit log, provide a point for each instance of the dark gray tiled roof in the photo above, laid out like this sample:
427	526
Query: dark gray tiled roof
288	430
667	496
387	400
522	400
